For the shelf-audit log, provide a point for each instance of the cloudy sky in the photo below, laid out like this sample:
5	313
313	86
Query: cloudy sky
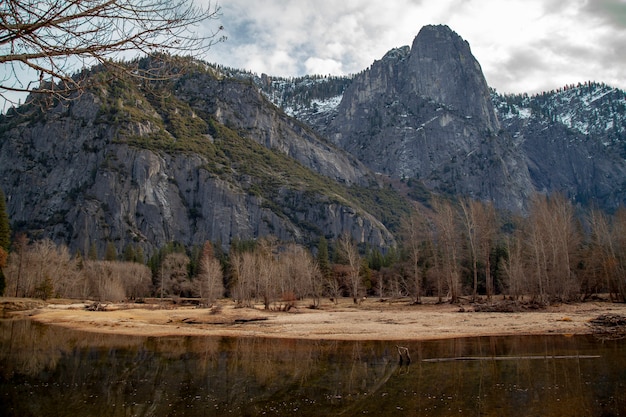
522	45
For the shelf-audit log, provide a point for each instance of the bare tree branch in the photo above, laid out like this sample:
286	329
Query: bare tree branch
52	37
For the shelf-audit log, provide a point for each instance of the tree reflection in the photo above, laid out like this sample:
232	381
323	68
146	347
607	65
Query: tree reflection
46	370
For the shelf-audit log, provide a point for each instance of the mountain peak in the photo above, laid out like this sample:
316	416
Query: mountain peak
438	31
442	67
397	53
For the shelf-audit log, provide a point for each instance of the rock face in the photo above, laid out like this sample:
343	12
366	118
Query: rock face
574	140
241	107
441	67
425	113
84	174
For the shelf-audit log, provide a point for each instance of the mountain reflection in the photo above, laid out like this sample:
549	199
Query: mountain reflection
54	371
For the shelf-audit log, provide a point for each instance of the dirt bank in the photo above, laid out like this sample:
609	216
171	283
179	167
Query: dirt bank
372	320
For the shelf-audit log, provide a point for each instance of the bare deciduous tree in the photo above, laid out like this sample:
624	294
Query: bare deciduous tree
602	263
115	281
445	221
174	279
266	268
244	273
415	229
552	240
479	221
513	266
49	37
350	252
301	274
42	270
488	225
209	283
619	241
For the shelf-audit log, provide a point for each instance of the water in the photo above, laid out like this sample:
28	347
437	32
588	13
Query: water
50	371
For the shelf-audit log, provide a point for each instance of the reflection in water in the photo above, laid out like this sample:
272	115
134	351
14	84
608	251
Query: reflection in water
54	371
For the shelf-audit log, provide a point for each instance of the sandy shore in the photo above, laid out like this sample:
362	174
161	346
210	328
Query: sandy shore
372	320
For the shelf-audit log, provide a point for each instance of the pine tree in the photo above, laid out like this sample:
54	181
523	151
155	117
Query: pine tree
139	256
5	229
93	252
322	257
129	253
110	253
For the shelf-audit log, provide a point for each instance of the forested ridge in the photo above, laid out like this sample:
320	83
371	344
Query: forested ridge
450	249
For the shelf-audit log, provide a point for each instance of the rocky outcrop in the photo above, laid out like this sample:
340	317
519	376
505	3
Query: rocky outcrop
441	67
208	157
241	106
425	113
71	174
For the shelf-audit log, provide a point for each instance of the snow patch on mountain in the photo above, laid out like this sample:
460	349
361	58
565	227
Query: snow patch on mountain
589	108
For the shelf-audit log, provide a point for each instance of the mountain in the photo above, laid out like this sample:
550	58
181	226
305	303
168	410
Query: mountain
220	154
422	113
425	114
200	157
574	140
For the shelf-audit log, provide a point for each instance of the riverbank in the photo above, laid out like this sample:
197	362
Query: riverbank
371	320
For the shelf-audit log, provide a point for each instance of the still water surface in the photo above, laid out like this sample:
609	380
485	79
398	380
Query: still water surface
50	371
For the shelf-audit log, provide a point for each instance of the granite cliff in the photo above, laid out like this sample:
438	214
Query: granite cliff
425	114
574	140
198	158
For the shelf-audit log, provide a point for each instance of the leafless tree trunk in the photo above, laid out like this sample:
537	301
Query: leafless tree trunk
415	236
244	269
209	283
488	225
553	240
445	220
470	223
302	276
514	267
266	272
479	221
619	239
351	253
601	262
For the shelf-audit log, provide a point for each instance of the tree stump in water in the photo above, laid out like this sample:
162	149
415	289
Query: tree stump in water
403	352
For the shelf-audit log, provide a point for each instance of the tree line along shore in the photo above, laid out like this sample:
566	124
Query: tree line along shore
447	249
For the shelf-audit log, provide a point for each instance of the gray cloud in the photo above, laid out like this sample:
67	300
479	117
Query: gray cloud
611	11
522	45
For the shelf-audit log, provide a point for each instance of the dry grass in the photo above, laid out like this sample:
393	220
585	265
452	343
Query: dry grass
369	320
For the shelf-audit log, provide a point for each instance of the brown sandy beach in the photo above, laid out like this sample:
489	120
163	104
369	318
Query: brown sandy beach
371	320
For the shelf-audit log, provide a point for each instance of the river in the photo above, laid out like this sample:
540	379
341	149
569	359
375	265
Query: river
52	371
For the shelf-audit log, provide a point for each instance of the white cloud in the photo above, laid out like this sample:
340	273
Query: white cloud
322	66
522	45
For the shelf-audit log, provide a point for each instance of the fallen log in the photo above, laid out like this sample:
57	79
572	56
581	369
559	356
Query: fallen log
248	320
223	321
509	358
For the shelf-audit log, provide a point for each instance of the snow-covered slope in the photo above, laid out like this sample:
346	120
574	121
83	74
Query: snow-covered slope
592	109
574	140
